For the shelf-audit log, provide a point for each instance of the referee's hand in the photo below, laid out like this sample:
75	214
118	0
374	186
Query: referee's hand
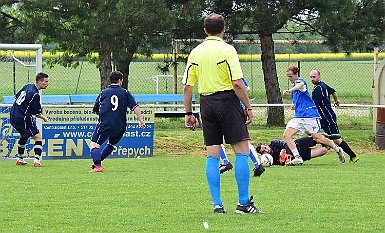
190	122
249	116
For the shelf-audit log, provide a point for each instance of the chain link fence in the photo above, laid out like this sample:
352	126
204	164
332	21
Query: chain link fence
353	79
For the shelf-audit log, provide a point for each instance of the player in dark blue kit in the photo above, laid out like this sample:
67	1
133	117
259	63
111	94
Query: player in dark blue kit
111	106
321	97
26	105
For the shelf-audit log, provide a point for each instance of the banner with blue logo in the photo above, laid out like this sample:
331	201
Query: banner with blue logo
68	133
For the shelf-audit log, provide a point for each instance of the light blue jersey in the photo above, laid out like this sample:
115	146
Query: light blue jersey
303	104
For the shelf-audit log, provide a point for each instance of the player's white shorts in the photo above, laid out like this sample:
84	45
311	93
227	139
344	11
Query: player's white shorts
310	125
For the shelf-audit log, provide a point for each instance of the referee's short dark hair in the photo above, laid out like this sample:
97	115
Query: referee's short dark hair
41	76
115	76
214	23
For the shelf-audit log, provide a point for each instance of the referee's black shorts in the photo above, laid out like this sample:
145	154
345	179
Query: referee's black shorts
222	116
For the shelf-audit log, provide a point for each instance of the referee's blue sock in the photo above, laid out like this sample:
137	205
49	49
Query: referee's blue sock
223	155
242	176
106	151
95	155
214	179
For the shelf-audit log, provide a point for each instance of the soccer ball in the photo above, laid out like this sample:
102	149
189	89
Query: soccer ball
266	160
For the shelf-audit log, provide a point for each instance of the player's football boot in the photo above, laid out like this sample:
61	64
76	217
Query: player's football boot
341	155
259	170
20	161
36	163
225	167
296	161
97	169
248	209
219	209
354	159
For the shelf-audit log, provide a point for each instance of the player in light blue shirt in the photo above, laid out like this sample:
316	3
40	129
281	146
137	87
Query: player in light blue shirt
306	117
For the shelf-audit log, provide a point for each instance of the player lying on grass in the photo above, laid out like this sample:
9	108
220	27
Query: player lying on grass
282	155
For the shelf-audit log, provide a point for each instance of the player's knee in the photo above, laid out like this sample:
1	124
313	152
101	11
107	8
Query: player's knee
37	137
323	150
319	138
286	136
94	145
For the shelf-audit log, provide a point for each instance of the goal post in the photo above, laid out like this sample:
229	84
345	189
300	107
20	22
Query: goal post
6	131
38	48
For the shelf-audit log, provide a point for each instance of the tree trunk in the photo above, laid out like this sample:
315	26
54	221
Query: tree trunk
122	62
105	64
275	114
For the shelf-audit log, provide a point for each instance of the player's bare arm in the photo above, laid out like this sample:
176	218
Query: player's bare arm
41	116
296	87
138	113
336	100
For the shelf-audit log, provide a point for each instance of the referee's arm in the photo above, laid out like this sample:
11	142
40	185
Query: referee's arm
187	97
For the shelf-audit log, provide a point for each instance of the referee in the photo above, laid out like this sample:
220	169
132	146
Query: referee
214	64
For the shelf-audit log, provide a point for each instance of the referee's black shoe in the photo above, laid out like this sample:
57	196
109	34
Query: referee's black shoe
259	170
219	209
248	209
225	167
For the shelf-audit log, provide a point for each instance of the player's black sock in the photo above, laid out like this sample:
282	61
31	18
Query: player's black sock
347	149
38	148
98	162
20	150
21	146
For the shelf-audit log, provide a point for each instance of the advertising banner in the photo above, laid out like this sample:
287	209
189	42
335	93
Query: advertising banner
68	132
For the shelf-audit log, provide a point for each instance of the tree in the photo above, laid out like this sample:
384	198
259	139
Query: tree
116	29
11	27
347	25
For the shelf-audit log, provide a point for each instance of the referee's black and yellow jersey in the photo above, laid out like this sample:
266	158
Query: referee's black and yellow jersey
214	64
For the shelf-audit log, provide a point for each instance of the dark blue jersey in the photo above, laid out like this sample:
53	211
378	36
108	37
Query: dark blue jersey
26	105
111	105
304	106
321	97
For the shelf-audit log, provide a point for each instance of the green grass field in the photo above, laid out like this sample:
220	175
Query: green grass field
352	79
168	193
171	195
